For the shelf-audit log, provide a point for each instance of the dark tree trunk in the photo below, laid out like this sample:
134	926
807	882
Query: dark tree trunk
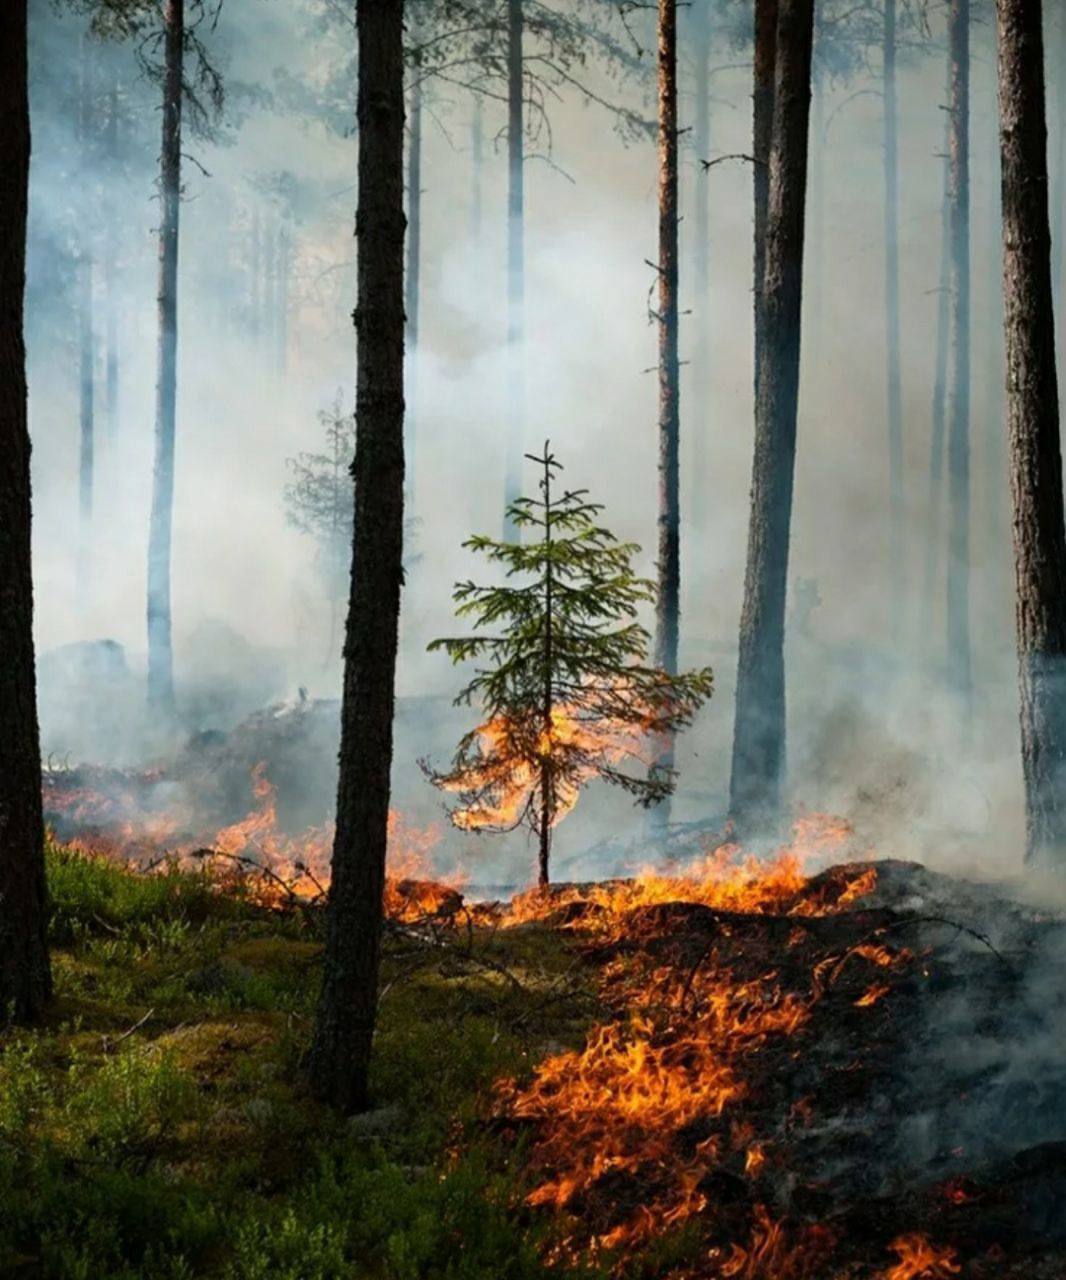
413	280
667	605
940	388
1058	219
515	262
893	405
25	978
762	126
1033	418
344	1028
160	656
759	728
958	586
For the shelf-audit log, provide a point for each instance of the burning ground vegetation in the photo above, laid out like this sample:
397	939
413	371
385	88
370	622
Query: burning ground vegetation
724	1067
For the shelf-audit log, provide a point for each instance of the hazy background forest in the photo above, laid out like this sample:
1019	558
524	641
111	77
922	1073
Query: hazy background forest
267	287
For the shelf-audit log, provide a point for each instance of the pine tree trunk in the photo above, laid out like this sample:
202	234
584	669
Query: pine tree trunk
1058	207
283	271
762	126
894	407
477	161
25	978
759	728
940	387
1033	419
547	787
111	366
667	605
413	282
958	585
344	1028
160	656
515	262
699	490
256	273
86	387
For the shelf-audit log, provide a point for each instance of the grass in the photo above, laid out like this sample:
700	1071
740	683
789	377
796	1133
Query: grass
158	1125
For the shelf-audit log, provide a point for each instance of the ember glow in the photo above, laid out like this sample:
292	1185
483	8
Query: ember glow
920	1259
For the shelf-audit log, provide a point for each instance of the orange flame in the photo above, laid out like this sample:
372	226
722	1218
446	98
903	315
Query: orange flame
919	1259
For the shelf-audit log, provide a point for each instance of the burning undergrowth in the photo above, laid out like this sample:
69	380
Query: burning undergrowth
135	818
853	1073
803	1078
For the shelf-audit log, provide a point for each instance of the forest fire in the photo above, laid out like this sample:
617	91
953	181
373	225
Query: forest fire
648	1097
272	867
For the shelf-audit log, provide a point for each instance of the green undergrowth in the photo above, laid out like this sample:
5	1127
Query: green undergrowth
158	1126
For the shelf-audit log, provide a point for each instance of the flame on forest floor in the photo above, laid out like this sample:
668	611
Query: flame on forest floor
674	1059
920	1259
272	866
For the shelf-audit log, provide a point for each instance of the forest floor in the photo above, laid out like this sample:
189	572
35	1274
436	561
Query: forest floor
605	1081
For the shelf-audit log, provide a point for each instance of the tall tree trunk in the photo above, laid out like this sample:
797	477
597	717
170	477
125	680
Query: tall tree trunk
958	586
547	781
477	162
893	405
413	279
111	366
940	388
160	655
667	605
344	1028
762	126
515	262
1033	418
759	728
283	272
1058	216
25	977
86	387
256	272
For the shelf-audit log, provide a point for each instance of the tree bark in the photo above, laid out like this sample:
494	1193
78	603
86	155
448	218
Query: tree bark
413	279
25	977
667	605
547	781
160	654
515	262
759	728
340	1053
893	405
762	128
940	386
1033	423
958	579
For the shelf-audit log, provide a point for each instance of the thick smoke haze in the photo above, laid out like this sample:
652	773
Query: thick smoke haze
873	731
